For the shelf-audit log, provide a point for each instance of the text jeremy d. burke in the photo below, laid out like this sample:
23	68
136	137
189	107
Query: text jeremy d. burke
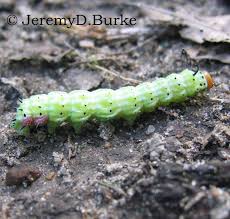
79	20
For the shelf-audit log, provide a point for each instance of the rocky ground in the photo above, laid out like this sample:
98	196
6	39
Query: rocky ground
172	163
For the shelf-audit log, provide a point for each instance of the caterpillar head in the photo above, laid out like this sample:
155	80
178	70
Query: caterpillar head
209	79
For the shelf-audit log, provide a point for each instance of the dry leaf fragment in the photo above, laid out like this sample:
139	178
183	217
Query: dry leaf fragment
218	53
197	28
211	29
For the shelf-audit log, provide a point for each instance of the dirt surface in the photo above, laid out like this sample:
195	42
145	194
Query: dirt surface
172	163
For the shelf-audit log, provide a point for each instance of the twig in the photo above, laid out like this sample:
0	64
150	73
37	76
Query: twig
93	65
133	48
219	100
116	74
194	201
114	188
86	61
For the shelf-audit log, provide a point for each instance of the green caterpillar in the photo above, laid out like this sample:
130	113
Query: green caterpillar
79	106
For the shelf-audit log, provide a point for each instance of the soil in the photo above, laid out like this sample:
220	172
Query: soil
172	163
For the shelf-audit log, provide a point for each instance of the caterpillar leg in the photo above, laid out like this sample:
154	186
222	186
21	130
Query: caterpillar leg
25	131
77	127
52	127
131	119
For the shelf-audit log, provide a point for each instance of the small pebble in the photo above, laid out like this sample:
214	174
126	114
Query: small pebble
88	44
58	158
224	153
22	175
150	130
107	145
50	176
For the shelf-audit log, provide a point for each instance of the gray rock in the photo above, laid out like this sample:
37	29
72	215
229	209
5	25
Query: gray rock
150	130
173	144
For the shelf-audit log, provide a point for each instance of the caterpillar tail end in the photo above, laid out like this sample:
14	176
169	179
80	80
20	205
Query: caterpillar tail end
209	80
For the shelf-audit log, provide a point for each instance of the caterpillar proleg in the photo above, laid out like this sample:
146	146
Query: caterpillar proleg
79	106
